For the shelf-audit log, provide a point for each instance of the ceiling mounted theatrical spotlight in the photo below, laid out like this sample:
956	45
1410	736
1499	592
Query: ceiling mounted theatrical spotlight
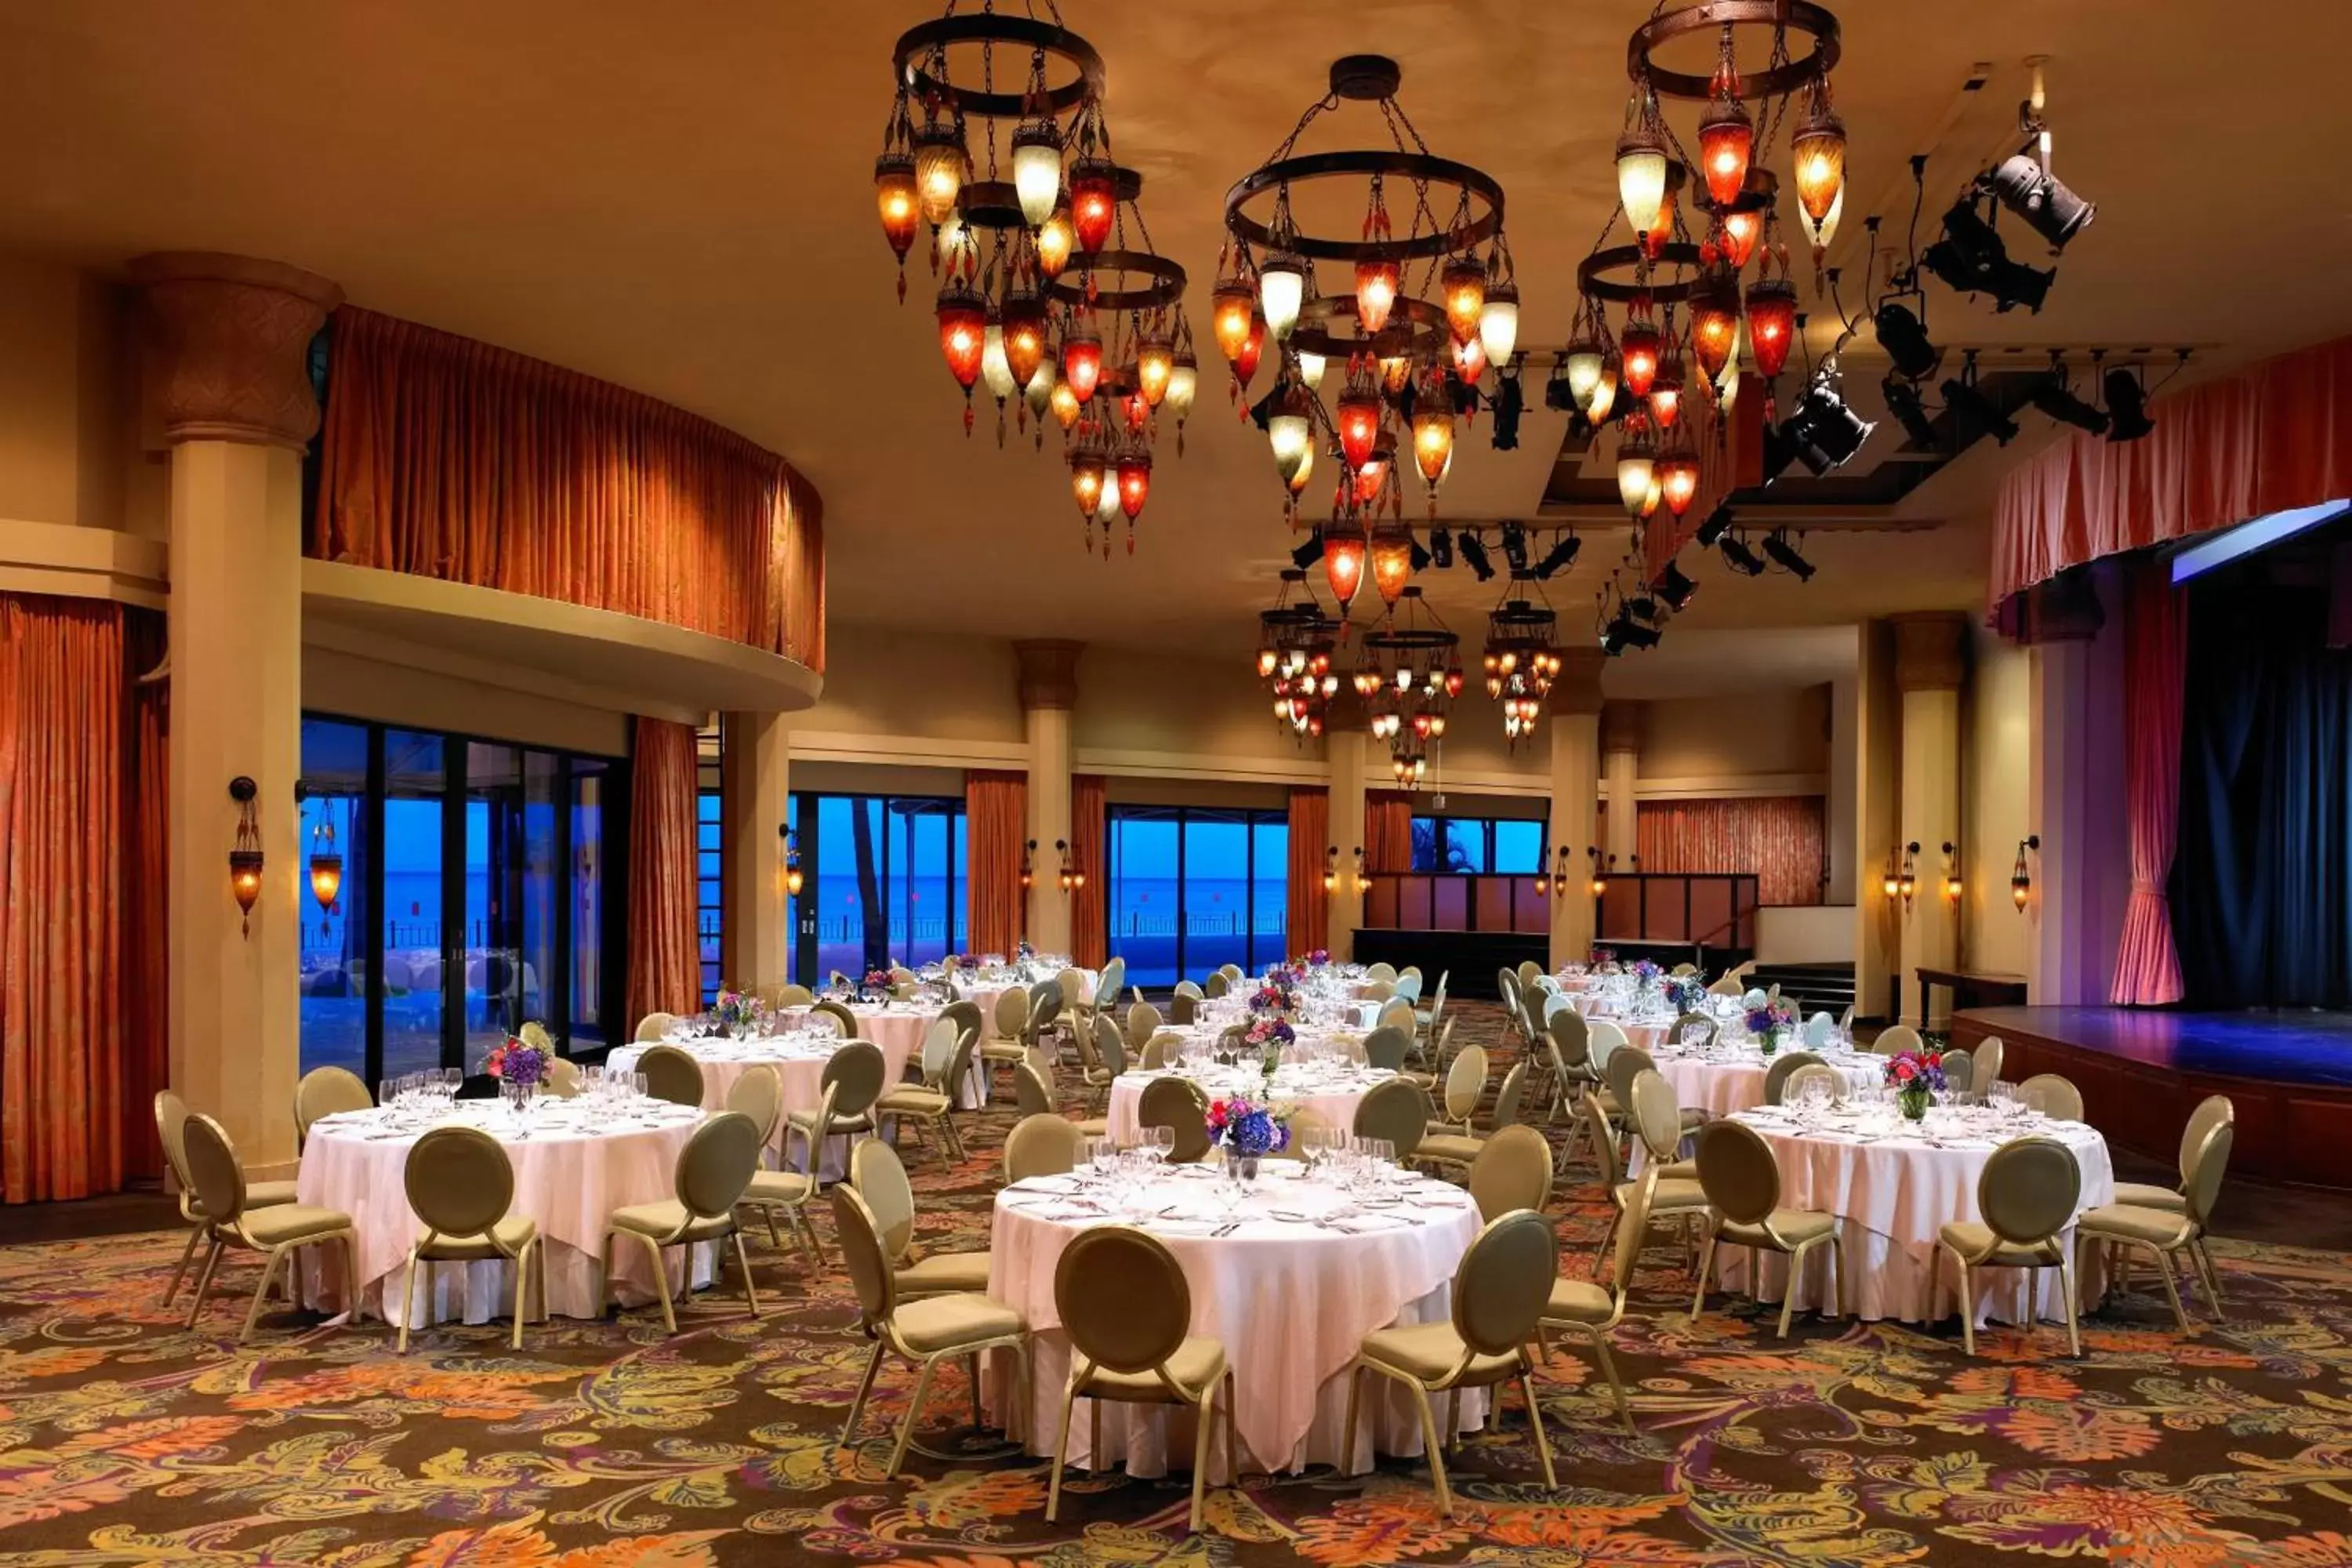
1739	558
2054	397
1514	546
1972	407
1644	608
1971	259
1559	395
1903	402
1718	525
1310	555
1473	555
1441	549
1784	555
2126	406
1559	557
1825	432
1904	340
2040	199
1623	632
1674	587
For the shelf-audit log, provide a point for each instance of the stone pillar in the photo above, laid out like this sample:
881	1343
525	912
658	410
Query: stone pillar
1930	663
224	379
1877	822
2076	744
1345	746
1844	772
1049	689
754	783
1621	768
1575	712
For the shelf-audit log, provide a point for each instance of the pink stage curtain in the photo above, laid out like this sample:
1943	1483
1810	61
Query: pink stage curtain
1388	830
450	458
2148	967
82	942
996	826
665	967
1310	834
2267	439
1089	925
1776	838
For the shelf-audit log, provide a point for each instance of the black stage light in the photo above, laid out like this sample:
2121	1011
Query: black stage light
1718	523
1559	558
1777	545
1473	555
2126	406
1674	587
1643	607
1972	407
1903	402
2055	398
1635	633
1739	558
1971	259
1905	341
1441	549
1514	546
1509	403
1465	394
2041	198
1558	396
1419	554
1777	452
1310	555
1613	639
1262	409
1825	431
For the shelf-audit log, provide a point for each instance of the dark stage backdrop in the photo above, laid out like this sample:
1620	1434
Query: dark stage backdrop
2261	886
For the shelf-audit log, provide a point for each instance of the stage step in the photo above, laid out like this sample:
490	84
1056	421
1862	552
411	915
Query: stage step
1813	987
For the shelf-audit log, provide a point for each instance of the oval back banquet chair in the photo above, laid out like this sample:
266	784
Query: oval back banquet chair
1595	1311
881	1180
2027	1193
1449	1148
1513	1170
325	1091
713	1171
171	1126
1678	1193
1742	1181
1177	1102
672	1075
2163	1232
1042	1145
229	1221
653	1027
2052	1095
839	1013
2213	1111
854	1071
1396	1112
759	1094
1784	1067
930	1104
1385	1047
460	1186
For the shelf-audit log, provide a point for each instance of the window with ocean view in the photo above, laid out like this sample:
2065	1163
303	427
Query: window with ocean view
1192	888
1459	846
883	880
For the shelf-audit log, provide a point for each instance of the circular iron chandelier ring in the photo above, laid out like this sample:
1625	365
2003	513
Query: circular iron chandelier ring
1409	639
1416	328
1817	22
986	29
1761	192
1165	291
1423	169
1590	282
996	203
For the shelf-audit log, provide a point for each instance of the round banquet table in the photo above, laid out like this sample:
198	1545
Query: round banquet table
898	1027
1731	1079
800	1061
1329	1093
1291	1301
573	1165
1895	1186
985	996
1649	1037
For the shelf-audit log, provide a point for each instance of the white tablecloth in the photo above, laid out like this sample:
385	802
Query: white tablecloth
799	1060
571	1174
1291	1302
1730	1082
1894	1196
1330	1095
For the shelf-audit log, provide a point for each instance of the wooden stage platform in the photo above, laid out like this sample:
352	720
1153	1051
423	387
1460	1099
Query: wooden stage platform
2141	1071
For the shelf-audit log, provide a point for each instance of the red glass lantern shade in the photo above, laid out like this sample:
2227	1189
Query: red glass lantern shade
1666	396
1376	292
1653	240
1678	474
1082	362
1094	202
1253	349
1739	232
963	333
1134	482
1772	323
1360	426
894	194
1639	348
1726	138
1463	284
1470	360
1343	565
1715	329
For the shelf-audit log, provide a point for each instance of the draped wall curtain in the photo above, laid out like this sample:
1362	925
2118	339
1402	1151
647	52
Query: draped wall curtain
665	967
996	818
1310	833
1776	837
2148	971
450	458
1388	830
1089	928
82	949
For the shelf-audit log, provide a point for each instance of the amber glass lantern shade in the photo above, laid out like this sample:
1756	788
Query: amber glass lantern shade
1155	363
942	166
1772	323
1056	238
1025	337
1740	233
963	333
1088	477
1376	291
1432	437
1230	309
1343	565
893	196
1392	561
1463	285
325	878
1715	329
1677	476
1818	148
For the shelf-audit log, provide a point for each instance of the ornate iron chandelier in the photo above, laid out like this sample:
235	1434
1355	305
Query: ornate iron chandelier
1522	656
1297	642
1409	672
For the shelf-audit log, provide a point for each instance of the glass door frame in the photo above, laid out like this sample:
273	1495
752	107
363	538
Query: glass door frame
807	911
1250	819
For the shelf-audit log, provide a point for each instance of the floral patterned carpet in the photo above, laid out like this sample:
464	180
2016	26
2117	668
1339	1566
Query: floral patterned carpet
124	1438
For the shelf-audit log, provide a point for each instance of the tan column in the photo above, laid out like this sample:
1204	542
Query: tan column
755	780
1575	723
1930	663
1346	752
1620	770
1049	689
1877	822
225	382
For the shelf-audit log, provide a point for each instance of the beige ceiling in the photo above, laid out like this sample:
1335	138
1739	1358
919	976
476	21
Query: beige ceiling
677	197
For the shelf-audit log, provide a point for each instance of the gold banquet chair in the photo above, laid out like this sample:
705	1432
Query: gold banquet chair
171	1127
854	1074
2164	1232
1512	1171
653	1027
1742	1182
1394	1112
881	1180
278	1229
1463	1149
2213	1111
1594	1310
712	1172
1177	1103
1042	1144
1128	1310
931	1103
326	1092
2027	1193
1499	1293
460	1186
759	1094
672	1075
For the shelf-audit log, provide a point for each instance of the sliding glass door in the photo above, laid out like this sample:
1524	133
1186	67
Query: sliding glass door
1194	888
883	880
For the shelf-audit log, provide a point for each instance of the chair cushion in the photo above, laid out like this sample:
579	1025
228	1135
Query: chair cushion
939	1323
1450	1148
1680	1170
913	1101
943	1272
265	1194
1429	1352
1577	1301
777	1187
1795	1226
1196	1364
1692	1116
1975	1242
1425	1081
506	1238
1672	1193
2129	1221
660	1220
1094	1127
281	1224
2140	1195
1003	1051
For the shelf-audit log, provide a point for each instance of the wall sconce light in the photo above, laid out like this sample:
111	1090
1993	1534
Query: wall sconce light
1028	865
2021	881
1951	873
1599	876
1072	875
245	858
1555	881
1330	868
1363	883
326	867
791	859
1907	879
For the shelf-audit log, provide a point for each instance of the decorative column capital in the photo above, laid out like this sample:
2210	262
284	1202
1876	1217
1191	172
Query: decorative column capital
1049	673
1576	687
1621	726
1930	651
225	342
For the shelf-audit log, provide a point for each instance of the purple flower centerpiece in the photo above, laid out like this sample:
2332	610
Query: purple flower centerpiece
520	1064
1319	958
1769	1023
1686	993
1645	974
1270	1035
1604	960
1916	1075
1247	1128
875	986
736	1013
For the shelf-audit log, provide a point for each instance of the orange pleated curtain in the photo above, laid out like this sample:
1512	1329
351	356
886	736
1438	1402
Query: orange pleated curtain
1779	838
996	824
1388	830
1089	928
82	924
665	964
1310	833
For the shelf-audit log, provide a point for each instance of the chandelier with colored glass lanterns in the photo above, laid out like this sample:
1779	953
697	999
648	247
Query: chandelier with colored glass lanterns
1409	671
1425	301
1050	297
1522	656
1297	642
1673	354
